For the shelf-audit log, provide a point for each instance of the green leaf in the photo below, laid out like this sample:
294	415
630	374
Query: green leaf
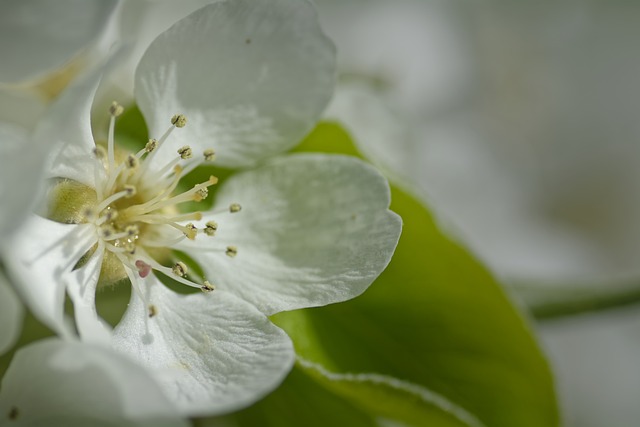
299	401
435	319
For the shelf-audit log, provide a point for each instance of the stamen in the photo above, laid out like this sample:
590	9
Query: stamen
210	228
232	251
235	207
209	155
143	268
153	310
151	145
185	152
132	162
129	191
190	231
115	110
207	287
180	269
179	120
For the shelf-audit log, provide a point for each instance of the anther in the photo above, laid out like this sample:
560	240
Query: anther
130	189
191	231
185	152
180	269
235	207
143	268
209	155
115	109
207	287
232	251
201	194
210	228
179	120
132	161
153	310
151	145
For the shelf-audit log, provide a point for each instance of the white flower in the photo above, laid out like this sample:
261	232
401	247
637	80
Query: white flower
251	78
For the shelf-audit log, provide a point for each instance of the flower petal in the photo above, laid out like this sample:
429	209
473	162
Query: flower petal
20	166
11	312
81	286
252	77
40	258
38	37
314	229
212	352
66	125
56	383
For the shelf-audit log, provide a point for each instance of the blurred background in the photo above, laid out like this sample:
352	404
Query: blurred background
517	123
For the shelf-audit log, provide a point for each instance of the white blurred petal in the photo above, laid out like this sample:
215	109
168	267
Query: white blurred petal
54	383
11	313
38	37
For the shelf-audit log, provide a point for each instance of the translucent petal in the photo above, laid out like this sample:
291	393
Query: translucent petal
252	77
313	230
211	352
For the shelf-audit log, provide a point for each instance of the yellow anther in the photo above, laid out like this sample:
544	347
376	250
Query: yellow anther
213	180
210	228
179	120
132	161
115	109
207	287
191	231
151	145
235	207
153	310
185	152
180	269
131	190
232	251
201	194
209	155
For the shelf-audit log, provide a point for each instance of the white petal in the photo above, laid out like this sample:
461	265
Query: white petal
66	126
37	37
54	383
313	230
212	352
252	77
40	259
11	312
81	286
20	175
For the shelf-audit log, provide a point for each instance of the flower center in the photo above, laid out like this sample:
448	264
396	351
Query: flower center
135	208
